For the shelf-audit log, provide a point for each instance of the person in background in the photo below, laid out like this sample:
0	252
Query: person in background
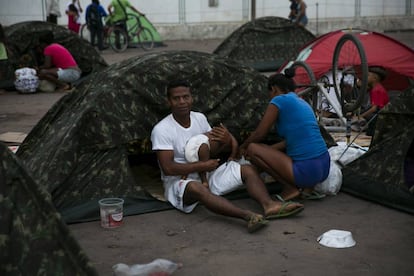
293	11
301	18
74	12
378	98
77	5
59	66
169	137
117	9
301	160
73	19
93	16
52	11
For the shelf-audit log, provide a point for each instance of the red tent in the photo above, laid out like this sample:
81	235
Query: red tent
380	50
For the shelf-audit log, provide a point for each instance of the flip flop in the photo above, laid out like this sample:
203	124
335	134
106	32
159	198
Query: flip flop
282	213
314	195
279	197
255	223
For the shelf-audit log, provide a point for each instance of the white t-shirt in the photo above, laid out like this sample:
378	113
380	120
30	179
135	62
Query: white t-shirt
169	135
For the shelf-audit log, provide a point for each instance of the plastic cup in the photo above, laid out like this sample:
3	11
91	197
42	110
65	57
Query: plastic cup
111	212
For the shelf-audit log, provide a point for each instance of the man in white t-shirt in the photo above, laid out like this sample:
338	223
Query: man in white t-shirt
182	185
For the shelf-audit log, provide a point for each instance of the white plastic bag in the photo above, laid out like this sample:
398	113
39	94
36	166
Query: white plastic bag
26	80
156	267
332	184
344	154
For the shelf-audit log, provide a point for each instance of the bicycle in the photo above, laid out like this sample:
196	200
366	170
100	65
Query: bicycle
349	82
137	33
114	35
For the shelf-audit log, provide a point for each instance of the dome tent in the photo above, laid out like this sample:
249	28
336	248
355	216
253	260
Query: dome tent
380	174
265	43
381	50
22	39
35	240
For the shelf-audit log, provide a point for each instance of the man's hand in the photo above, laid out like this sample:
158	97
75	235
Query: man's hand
210	165
221	134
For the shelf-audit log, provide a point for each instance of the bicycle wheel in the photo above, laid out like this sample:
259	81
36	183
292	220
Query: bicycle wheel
350	67
117	39
85	33
133	24
306	85
145	38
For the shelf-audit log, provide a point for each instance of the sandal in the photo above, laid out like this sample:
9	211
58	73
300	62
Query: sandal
314	195
279	197
255	223
282	213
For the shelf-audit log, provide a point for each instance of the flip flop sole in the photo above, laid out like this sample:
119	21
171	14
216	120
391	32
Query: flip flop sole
312	196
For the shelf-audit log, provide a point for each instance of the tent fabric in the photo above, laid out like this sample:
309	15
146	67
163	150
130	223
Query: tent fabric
378	175
22	39
380	50
264	43
34	239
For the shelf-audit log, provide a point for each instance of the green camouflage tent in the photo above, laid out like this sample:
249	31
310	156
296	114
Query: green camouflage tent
22	38
34	239
265	43
386	172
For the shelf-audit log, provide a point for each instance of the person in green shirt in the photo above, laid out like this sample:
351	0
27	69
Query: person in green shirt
117	10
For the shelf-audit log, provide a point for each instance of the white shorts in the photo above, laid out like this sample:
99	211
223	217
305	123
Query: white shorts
68	75
223	180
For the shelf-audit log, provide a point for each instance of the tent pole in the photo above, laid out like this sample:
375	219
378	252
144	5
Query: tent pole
253	11
353	140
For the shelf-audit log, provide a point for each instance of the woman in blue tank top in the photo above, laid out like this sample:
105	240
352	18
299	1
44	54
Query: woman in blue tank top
301	160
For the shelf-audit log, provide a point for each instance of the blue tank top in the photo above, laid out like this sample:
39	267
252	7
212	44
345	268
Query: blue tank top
296	123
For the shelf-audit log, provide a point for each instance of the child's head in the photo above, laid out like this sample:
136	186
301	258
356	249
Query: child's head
376	74
73	8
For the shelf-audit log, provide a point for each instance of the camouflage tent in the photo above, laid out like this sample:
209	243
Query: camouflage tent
385	173
80	151
34	239
265	43
23	37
